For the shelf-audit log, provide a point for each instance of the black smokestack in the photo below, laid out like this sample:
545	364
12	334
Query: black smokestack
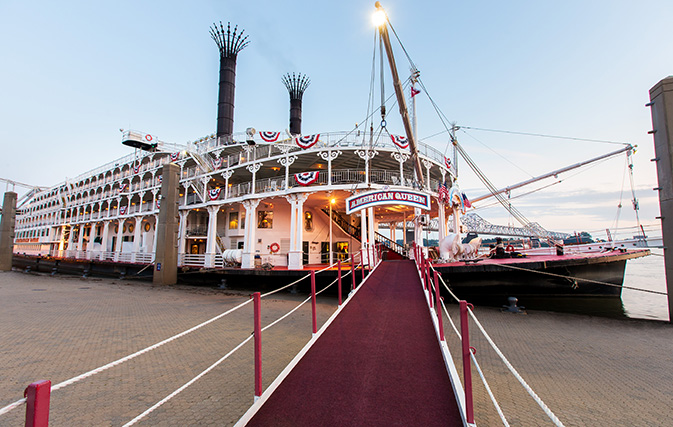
230	43
296	84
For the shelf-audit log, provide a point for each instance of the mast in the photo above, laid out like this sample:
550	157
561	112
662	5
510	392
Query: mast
404	112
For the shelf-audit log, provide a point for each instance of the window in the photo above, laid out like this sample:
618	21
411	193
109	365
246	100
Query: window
233	220
265	219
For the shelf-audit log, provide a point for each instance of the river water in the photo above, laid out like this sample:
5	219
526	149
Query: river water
646	273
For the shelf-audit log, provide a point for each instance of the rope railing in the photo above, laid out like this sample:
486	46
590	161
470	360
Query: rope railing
509	366
117	362
423	264
214	365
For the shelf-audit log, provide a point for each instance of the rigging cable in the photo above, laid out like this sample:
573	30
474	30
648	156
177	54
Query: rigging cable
621	197
636	207
547	136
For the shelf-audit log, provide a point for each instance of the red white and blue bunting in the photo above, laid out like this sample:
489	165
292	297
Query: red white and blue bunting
217	163
175	156
306	178
158	204
136	168
269	136
160	178
123	187
214	193
122	210
400	141
307	141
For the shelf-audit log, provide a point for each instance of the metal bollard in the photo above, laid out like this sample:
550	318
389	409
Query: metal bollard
37	403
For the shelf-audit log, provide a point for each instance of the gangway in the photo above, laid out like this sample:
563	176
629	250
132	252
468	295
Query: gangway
377	363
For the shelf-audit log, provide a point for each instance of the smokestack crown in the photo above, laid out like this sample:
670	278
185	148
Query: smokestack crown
229	42
296	84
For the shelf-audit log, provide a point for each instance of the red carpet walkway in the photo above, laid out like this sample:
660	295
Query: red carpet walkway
377	364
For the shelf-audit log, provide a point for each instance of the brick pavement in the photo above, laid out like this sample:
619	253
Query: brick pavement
588	370
58	327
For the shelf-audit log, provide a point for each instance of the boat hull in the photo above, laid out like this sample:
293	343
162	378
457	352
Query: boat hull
571	276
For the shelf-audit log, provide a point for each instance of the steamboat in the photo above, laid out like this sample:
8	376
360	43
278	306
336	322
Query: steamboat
271	204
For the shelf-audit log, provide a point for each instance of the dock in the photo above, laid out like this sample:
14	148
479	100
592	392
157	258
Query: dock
590	370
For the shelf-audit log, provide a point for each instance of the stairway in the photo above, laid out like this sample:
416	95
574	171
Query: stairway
356	233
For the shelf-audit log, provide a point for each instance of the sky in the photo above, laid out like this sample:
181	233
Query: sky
75	72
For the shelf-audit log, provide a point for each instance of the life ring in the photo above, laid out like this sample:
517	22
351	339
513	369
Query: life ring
509	248
275	247
148	137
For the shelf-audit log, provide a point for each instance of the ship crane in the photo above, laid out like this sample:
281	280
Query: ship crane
629	148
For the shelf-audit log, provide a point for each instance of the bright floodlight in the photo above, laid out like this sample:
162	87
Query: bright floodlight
379	18
332	201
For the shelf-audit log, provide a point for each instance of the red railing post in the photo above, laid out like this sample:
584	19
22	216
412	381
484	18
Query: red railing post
362	263
339	279
37	397
258	343
438	305
352	272
425	273
430	285
467	369
315	318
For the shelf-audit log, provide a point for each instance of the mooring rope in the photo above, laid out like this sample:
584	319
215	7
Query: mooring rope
583	280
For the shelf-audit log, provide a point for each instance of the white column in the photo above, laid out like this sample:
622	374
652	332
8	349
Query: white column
372	236
248	256
120	235
293	222
106	232
61	243
295	259
70	239
441	219
182	232
211	243
136	237
301	198
418	228
154	237
80	240
393	231
404	229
